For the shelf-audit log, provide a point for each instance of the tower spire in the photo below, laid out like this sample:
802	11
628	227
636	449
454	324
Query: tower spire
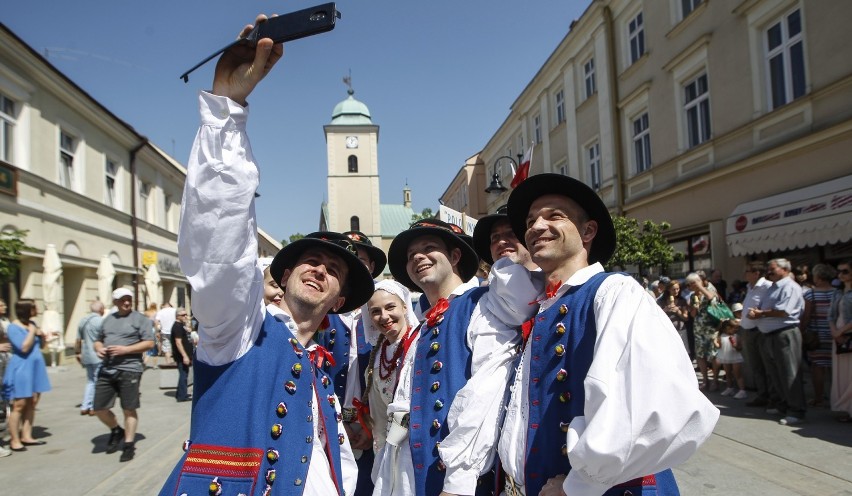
347	80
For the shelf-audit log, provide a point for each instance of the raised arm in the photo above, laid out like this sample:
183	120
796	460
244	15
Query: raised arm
217	243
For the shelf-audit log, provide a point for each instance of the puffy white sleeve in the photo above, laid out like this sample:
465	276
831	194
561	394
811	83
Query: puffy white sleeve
643	410
217	241
474	416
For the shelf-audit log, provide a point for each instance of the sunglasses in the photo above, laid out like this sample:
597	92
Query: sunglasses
844	271
181	315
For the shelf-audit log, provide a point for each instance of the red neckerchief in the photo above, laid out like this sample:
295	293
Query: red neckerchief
526	330
436	314
324	325
319	355
549	292
362	411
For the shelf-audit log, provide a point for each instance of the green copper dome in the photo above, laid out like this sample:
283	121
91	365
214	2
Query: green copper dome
351	112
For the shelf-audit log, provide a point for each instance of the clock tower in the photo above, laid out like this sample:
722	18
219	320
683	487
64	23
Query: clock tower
353	171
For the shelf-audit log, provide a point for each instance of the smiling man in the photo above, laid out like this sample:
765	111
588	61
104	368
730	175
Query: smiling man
604	399
265	419
446	409
493	239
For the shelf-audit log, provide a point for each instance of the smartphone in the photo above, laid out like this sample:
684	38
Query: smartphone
287	27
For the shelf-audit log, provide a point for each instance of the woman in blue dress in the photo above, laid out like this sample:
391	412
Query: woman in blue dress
26	375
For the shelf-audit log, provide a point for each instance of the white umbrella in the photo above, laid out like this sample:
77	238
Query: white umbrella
51	322
152	285
106	274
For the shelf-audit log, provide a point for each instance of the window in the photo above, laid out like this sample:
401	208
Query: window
785	58
641	143
589	76
560	107
537	128
696	105
354	223
636	34
167	206
110	178
594	154
353	163
687	6
563	170
144	195
67	145
7	127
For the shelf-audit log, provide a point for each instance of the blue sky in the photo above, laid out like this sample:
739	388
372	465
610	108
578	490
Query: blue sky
438	76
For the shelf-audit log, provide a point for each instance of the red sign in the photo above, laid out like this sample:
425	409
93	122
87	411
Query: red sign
742	222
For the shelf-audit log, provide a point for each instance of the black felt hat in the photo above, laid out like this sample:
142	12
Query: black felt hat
522	197
359	282
376	254
452	234
482	233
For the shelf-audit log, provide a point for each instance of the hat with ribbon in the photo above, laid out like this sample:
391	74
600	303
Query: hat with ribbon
522	197
358	284
376	254
452	234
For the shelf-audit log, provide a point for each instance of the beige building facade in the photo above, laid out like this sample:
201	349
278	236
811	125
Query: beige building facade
100	204
730	120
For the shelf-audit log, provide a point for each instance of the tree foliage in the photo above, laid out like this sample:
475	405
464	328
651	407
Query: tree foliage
643	245
425	214
11	245
293	237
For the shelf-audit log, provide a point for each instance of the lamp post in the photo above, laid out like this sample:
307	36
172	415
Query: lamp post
496	185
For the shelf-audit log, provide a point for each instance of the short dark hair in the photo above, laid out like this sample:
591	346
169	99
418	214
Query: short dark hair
24	308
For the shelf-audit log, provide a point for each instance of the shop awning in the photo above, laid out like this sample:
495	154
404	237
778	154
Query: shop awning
820	214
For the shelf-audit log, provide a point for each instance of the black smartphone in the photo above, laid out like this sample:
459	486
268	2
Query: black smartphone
287	27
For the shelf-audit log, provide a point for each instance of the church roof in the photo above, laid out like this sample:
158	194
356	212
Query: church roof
351	112
395	219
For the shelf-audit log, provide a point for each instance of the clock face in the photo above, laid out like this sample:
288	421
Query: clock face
351	142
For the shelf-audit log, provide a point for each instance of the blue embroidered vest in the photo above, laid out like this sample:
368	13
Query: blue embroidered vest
562	346
441	368
336	339
252	423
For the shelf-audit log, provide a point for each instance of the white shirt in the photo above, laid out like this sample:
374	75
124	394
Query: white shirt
474	415
752	300
166	317
643	411
217	245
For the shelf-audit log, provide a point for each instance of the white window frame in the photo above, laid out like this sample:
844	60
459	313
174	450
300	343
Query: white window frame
8	121
112	200
589	83
537	129
144	210
593	157
784	51
696	112
635	38
560	107
641	139
66	160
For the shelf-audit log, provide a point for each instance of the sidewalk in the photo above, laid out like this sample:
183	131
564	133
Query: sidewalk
748	454
73	461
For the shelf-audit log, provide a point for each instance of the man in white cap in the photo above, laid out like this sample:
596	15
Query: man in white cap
125	336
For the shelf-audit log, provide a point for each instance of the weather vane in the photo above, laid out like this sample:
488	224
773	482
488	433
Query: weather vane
347	80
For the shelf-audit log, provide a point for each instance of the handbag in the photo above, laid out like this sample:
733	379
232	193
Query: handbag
846	345
810	341
718	311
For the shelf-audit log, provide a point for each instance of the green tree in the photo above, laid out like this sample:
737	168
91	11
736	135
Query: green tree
425	214
11	245
643	245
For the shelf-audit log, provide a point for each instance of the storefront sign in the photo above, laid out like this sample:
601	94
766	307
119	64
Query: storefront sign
149	258
795	212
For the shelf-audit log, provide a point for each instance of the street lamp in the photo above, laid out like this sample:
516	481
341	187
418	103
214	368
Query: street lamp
496	185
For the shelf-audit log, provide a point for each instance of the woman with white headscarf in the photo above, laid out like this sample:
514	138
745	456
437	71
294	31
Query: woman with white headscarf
389	324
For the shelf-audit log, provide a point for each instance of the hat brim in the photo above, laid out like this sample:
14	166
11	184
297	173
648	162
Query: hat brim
380	260
482	235
359	281
398	254
522	197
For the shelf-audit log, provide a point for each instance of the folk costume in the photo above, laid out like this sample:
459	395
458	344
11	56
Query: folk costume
446	409
604	391
265	418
